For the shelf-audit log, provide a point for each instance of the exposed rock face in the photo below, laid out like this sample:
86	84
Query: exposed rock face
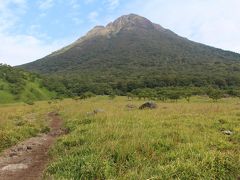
96	31
129	22
126	22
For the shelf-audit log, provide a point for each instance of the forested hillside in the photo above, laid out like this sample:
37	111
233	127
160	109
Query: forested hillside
20	86
132	53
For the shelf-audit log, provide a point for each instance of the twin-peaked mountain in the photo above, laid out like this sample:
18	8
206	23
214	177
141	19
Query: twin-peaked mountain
133	49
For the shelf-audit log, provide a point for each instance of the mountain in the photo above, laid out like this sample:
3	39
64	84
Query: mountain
20	86
134	51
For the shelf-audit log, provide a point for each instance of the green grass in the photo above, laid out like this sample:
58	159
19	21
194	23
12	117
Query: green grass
32	91
6	97
19	122
20	86
176	141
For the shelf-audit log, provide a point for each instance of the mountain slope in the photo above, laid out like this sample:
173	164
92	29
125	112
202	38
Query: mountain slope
20	86
133	49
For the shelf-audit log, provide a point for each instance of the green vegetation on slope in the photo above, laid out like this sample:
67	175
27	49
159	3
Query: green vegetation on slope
20	86
138	55
175	141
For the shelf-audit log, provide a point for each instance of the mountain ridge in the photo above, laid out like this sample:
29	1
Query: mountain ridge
121	22
132	49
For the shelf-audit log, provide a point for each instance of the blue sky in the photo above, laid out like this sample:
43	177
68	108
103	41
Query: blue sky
31	29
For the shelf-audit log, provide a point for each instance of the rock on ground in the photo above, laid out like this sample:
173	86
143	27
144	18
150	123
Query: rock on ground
14	167
148	105
227	132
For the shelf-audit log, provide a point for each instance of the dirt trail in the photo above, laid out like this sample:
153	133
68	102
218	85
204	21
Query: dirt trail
27	160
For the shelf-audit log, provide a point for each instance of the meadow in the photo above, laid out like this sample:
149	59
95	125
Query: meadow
20	121
178	140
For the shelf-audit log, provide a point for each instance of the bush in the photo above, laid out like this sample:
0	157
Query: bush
112	96
174	96
29	102
87	95
1	87
215	94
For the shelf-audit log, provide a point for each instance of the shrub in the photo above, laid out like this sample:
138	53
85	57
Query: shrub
215	94
29	102
87	95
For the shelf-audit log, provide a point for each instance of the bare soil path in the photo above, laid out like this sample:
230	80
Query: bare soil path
27	160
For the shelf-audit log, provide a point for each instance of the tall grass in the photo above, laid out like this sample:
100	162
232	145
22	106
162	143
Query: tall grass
176	141
20	121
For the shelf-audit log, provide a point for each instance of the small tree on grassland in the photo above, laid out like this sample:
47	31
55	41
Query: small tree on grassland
174	96
87	95
187	96
215	94
112	95
130	96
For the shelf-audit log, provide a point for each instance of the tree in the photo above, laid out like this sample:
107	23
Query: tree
161	96
29	102
187	96
130	96
215	94
112	95
87	95
174	96
1	87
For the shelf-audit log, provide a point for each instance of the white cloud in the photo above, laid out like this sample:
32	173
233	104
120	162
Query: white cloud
21	49
4	3
112	4
93	16
74	4
77	20
211	22
75	12
89	1
45	4
8	16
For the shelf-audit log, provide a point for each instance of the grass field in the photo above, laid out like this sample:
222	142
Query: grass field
20	121
178	140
